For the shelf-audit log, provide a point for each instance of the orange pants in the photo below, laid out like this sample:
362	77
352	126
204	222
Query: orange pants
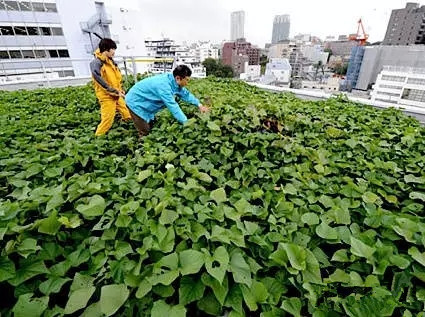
108	108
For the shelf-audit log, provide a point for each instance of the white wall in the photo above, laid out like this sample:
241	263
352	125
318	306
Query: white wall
76	40
127	26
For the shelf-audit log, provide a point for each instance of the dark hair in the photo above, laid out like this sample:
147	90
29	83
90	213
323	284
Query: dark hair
106	45
182	71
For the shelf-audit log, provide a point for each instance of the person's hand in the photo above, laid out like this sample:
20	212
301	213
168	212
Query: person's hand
203	108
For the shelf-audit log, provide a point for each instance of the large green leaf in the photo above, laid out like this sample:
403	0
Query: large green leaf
7	269
297	255
28	306
161	308
190	290
94	206
217	264
78	299
240	269
112	297
191	261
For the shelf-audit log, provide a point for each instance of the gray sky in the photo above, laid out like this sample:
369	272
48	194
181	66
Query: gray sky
191	20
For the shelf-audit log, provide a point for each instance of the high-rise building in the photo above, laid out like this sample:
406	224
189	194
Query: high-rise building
281	25
406	26
237	25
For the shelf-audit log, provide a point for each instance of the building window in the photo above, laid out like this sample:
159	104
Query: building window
413	95
53	53
390	87
11	5
38	6
63	53
416	81
40	53
20	30
4	55
25	6
45	31
50	7
28	54
384	93
393	78
57	31
6	30
32	30
15	54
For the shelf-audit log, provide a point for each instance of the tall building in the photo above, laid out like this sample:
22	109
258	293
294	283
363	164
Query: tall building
237	25
281	26
376	57
406	26
55	38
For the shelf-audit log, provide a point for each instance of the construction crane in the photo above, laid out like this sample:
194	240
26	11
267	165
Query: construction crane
361	38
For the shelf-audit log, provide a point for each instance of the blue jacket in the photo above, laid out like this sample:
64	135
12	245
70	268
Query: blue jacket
152	94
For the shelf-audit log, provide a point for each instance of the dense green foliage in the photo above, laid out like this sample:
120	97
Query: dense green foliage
217	68
266	206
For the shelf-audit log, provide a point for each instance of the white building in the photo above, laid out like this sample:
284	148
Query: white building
237	25
400	86
251	72
56	38
315	53
165	55
330	85
278	72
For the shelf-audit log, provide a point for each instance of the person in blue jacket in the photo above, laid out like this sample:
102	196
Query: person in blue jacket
152	94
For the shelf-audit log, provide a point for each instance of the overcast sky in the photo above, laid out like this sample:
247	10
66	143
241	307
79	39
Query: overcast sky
191	20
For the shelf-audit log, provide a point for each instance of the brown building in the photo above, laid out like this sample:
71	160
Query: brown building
406	26
236	53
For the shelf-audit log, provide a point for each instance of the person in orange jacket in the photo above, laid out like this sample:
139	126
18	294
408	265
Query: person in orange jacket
107	85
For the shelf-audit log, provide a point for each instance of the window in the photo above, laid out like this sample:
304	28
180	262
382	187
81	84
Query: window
25	6
28	54
63	53
50	7
32	30
53	53
66	73
57	31
416	81
45	31
414	95
38	6
383	93
11	5
4	55
20	30
40	53
15	54
6	30
390	87
393	78
2	6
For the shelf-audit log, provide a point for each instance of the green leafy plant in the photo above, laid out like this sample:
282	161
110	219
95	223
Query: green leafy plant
267	206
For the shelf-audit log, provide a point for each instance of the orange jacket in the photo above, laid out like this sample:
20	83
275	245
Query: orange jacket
106	76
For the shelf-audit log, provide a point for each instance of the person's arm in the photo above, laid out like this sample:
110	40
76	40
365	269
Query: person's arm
168	99
95	67
188	97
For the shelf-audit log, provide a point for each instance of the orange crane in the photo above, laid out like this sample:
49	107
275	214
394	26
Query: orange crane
361	38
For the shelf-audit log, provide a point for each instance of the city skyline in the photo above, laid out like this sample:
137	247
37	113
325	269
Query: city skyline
190	20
